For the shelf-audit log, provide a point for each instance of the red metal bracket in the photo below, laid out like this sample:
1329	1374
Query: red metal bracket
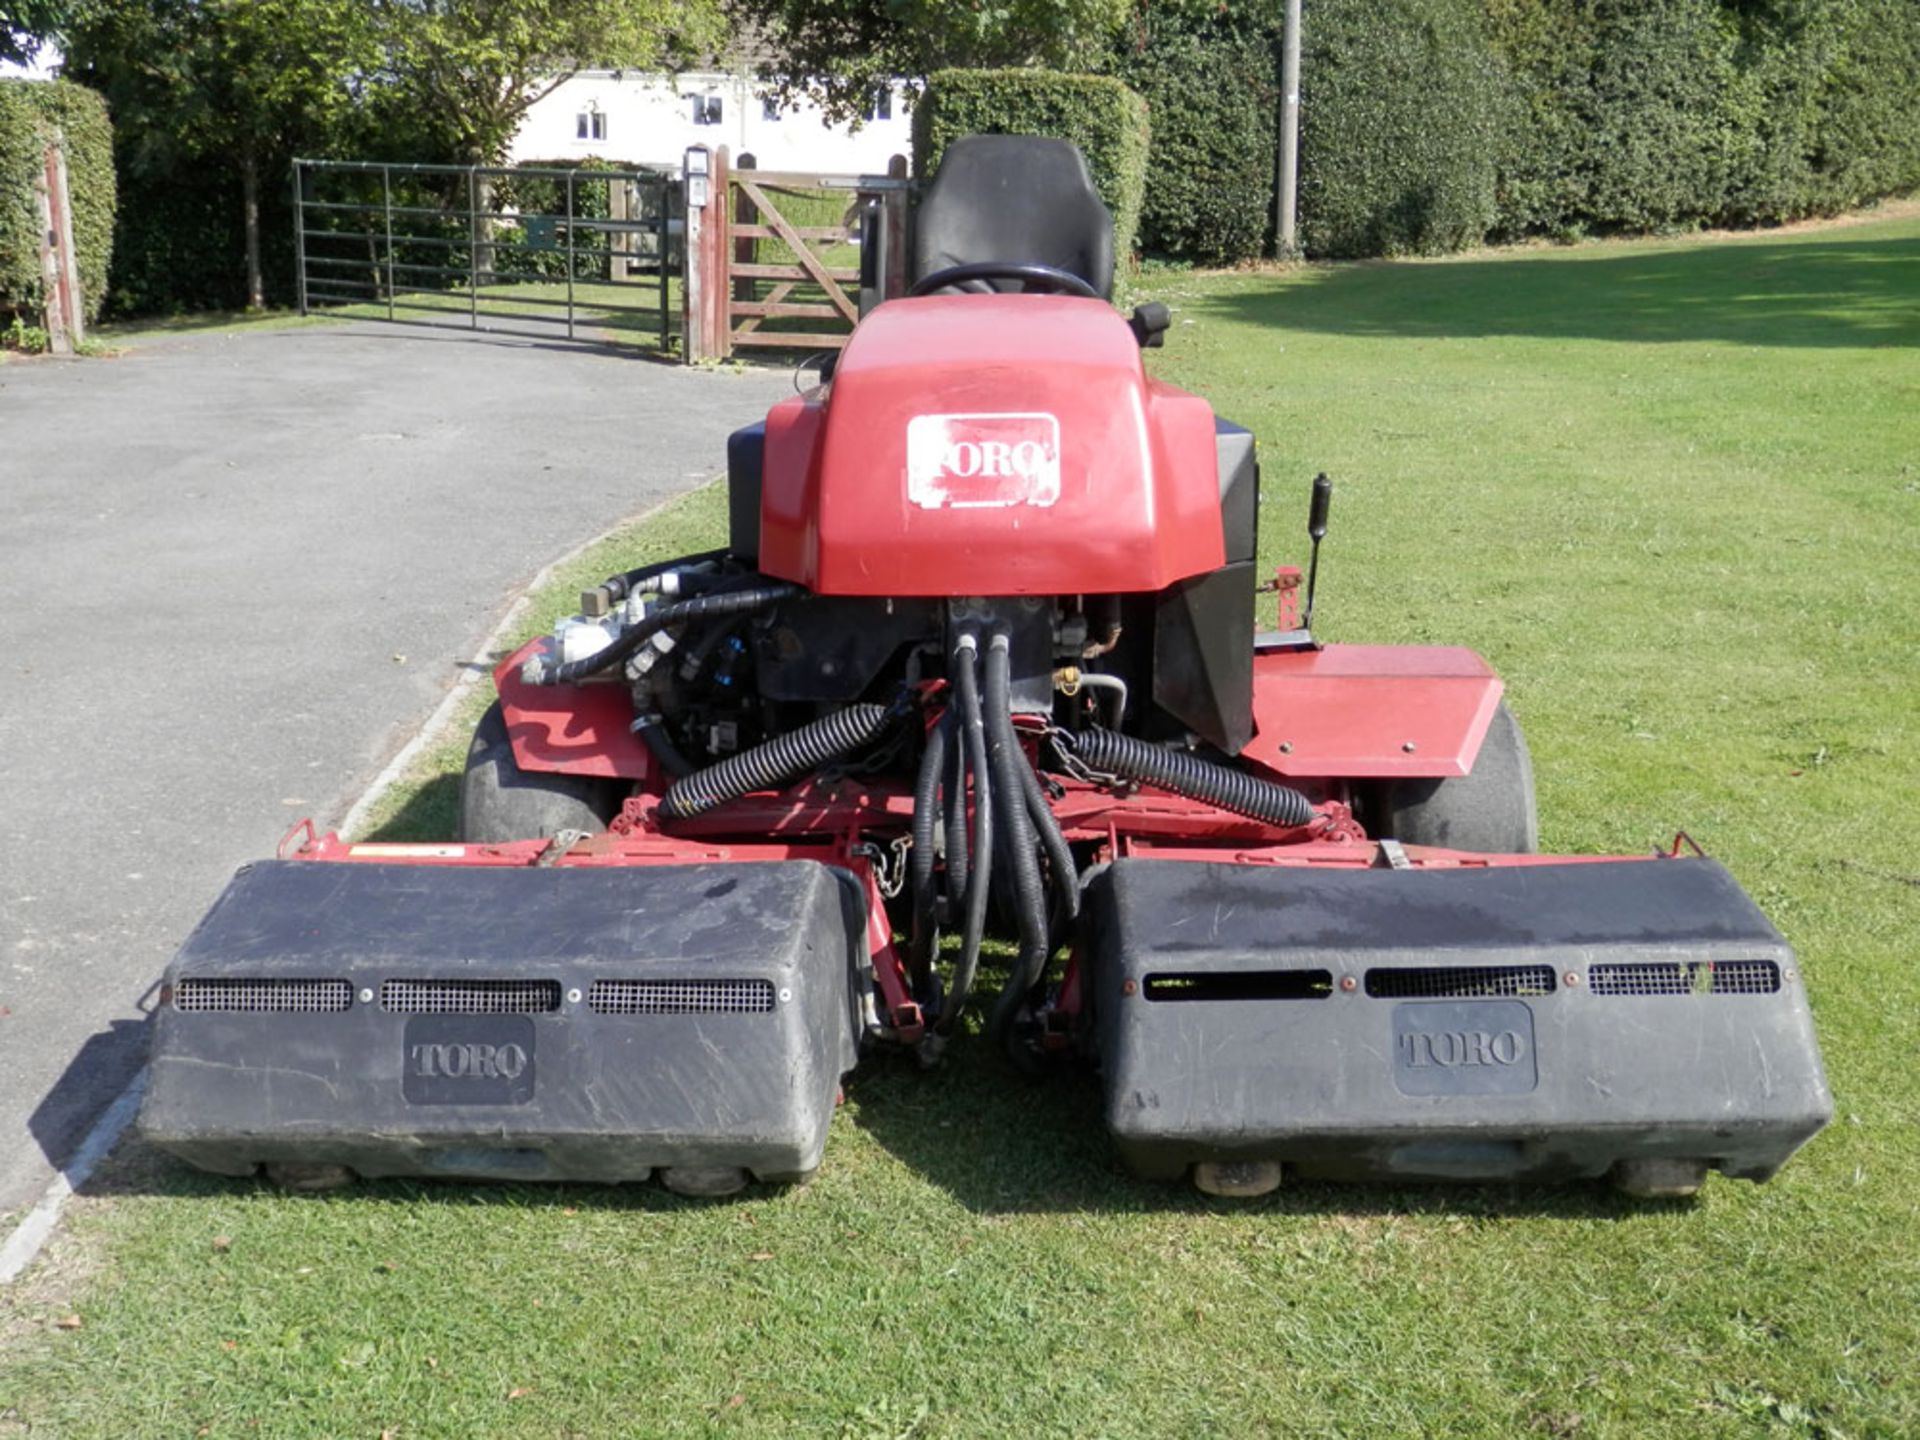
300	827
1286	581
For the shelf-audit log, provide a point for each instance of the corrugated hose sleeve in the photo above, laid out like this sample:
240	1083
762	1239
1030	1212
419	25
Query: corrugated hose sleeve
779	760
1189	775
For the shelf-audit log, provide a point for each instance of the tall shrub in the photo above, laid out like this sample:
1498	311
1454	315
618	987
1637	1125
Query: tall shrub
1866	133
1103	117
1544	52
31	113
1662	138
1210	76
1400	117
1637	115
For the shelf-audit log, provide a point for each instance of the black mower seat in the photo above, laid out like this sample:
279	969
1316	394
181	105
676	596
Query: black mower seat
1014	198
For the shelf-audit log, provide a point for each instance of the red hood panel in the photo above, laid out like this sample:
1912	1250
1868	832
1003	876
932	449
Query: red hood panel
990	445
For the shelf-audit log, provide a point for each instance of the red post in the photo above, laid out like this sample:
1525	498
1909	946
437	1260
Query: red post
65	314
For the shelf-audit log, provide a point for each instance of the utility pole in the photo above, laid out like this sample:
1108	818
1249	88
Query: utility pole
1289	245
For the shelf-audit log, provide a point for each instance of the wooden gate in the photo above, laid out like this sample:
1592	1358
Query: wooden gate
774	257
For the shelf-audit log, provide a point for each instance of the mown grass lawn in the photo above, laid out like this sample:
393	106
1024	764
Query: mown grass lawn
1673	491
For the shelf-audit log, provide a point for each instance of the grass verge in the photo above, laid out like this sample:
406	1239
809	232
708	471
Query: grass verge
1673	491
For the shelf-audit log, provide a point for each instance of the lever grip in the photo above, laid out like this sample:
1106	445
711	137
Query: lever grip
1317	512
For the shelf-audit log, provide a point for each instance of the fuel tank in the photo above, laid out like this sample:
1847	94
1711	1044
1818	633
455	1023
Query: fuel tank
991	445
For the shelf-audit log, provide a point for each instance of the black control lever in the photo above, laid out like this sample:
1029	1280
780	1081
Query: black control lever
1316	532
1150	323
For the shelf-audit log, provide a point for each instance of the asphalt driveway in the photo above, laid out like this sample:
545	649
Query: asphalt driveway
236	573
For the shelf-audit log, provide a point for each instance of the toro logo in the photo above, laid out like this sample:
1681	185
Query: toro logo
1450	1048
468	1060
1464	1047
479	1061
981	461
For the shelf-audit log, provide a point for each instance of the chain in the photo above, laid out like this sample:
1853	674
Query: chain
889	865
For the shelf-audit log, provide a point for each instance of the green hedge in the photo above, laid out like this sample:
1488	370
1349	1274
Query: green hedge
1637	115
1432	124
1866	107
1401	107
1101	115
30	112
1211	82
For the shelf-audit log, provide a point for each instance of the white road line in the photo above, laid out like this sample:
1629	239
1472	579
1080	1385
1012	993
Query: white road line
37	1226
24	1244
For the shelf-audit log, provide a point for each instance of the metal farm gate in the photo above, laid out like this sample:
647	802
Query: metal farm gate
580	254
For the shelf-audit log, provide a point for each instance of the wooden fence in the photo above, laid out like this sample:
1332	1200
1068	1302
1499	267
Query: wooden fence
769	249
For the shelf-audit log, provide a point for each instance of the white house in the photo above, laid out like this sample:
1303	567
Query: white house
652	119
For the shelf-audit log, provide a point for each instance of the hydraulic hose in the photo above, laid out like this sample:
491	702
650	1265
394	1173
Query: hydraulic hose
652	730
926	823
1189	775
954	810
1059	857
618	587
973	735
1010	803
777	761
682	612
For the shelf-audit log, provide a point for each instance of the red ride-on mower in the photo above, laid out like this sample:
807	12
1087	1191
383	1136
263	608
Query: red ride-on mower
979	657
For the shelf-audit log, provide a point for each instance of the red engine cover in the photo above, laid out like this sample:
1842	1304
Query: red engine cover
990	445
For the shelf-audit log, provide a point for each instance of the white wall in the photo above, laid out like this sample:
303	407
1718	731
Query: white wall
649	120
41	67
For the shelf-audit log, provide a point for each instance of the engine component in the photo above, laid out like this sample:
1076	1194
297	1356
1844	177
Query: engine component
543	670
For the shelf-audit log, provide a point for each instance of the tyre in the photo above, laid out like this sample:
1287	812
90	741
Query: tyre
500	802
1490	809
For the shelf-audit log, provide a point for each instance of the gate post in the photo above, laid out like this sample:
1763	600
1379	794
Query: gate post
65	315
473	248
386	206
300	231
720	249
894	270
696	176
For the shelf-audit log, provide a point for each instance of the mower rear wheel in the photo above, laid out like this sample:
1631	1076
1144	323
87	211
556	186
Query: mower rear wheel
303	1179
1237	1179
500	802
1489	810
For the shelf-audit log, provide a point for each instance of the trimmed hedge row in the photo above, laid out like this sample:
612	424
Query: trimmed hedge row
1432	124
1400	126
1212	86
1098	113
31	111
1429	124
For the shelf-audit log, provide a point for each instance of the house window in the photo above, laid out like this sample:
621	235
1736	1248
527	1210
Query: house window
880	105
707	110
770	108
590	124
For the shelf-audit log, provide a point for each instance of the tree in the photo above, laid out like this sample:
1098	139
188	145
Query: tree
478	65
244	82
26	25
838	52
